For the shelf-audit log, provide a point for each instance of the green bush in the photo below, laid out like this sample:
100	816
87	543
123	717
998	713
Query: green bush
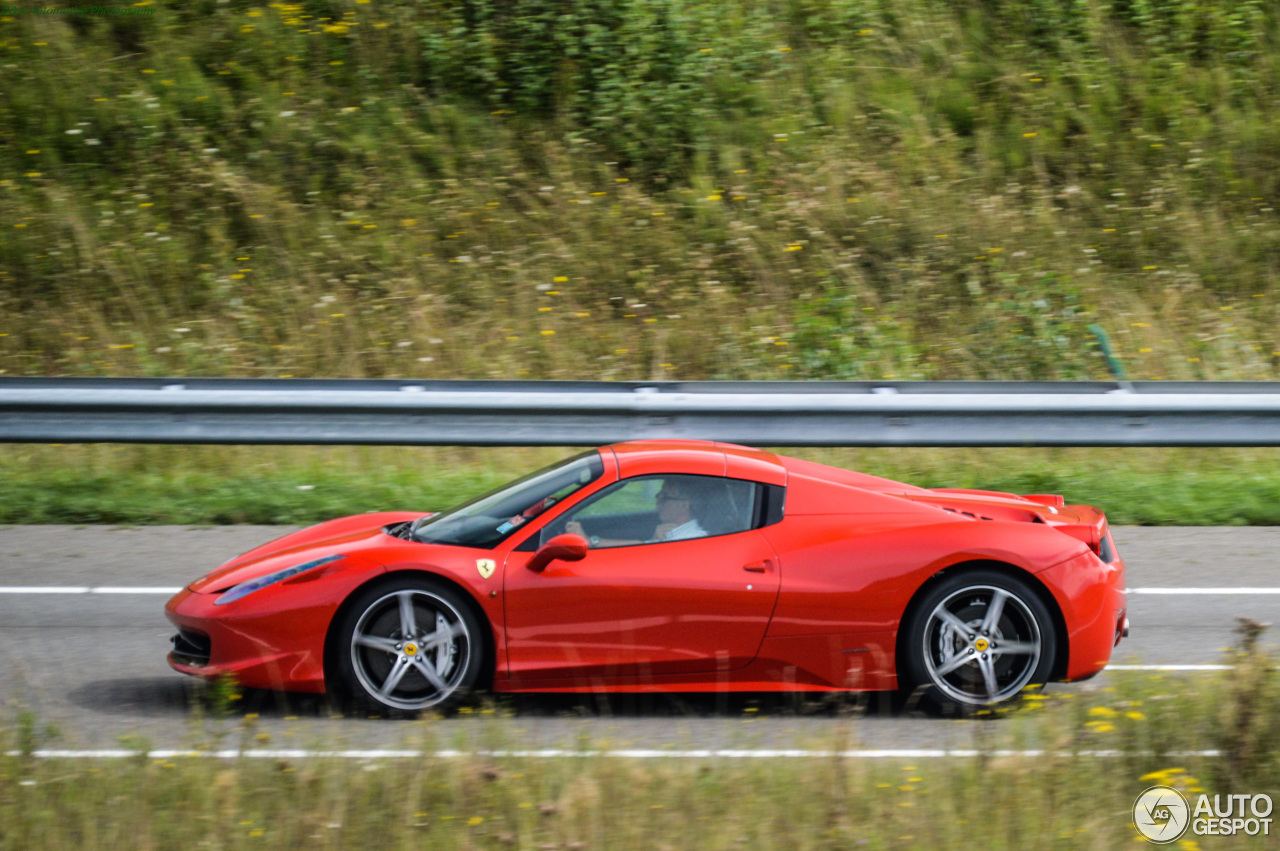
639	78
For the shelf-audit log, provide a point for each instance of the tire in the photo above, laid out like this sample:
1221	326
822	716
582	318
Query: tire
409	645
962	656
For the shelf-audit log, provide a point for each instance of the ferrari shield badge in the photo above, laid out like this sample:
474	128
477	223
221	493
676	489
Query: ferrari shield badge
485	566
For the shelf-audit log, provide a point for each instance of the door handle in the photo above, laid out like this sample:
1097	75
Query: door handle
758	566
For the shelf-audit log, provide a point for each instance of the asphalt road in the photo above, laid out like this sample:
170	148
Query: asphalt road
92	665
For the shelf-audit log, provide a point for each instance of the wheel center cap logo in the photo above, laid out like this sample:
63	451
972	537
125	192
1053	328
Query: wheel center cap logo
410	649
981	645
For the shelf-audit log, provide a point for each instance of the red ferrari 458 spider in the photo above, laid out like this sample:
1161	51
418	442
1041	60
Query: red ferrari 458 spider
670	566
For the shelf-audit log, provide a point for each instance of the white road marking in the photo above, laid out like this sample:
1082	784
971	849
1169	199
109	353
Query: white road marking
1197	591
1169	668
554	753
87	589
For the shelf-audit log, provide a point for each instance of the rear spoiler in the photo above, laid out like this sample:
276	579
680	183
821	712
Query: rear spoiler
1093	533
1086	532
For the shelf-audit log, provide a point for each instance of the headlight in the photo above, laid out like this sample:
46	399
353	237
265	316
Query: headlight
244	589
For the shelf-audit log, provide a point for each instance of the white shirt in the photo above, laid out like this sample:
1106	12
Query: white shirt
691	529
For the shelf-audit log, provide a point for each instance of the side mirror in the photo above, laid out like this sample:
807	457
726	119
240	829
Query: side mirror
563	547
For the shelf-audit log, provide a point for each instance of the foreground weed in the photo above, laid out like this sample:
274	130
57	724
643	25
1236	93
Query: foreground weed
1153	729
221	696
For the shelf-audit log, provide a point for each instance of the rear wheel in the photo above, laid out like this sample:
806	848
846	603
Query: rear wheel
409	645
978	639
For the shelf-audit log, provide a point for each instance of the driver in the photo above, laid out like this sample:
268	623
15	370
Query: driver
678	511
679	505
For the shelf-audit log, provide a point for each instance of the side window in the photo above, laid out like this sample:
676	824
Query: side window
652	509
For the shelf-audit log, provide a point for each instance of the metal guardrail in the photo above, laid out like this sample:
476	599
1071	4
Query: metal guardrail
577	413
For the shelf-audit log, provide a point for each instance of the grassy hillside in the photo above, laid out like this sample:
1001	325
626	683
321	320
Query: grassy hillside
641	189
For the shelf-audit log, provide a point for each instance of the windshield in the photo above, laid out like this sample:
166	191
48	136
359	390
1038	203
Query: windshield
488	520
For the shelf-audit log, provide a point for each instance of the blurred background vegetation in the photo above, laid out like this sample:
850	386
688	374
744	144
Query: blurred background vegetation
635	189
642	189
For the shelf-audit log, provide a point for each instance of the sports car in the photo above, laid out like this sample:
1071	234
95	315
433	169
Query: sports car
686	566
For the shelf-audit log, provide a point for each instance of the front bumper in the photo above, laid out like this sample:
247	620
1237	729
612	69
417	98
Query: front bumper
259	646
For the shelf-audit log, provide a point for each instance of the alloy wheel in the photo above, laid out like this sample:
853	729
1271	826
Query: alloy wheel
411	649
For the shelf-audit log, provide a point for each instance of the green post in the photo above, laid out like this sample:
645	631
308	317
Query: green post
1104	343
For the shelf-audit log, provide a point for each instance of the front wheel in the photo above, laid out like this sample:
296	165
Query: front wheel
409	645
979	638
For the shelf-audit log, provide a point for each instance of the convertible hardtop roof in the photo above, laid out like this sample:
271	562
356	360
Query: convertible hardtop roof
636	457
706	457
664	445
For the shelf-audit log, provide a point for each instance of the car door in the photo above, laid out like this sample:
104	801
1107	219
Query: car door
641	605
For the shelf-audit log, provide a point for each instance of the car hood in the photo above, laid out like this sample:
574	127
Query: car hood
346	536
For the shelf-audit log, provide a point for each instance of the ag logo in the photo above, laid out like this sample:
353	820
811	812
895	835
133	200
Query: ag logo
485	566
1161	814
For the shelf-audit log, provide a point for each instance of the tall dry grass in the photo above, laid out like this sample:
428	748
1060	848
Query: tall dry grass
641	189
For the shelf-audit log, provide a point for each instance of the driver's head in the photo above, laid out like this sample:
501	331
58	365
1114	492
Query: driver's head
686	498
675	502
